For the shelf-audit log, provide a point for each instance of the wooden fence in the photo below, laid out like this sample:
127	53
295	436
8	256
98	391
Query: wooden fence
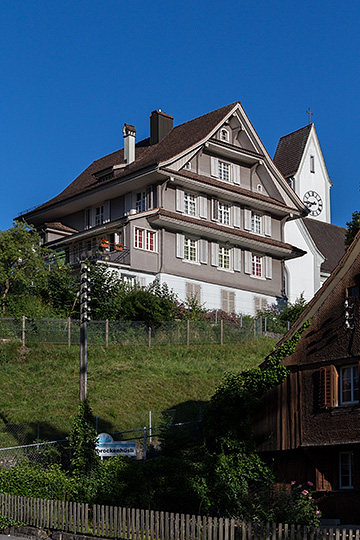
134	524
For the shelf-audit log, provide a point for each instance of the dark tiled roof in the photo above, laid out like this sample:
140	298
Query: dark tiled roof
176	141
329	240
290	149
60	226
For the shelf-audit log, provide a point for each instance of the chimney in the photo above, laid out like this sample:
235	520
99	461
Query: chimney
160	125
129	143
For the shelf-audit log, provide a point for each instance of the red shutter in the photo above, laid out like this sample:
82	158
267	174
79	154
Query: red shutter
328	396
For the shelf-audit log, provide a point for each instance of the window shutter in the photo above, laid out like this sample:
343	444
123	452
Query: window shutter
203	251
106	211
267	225
268	267
128	204
237	259
231	302
149	197
214	170
247	219
203	206
236	174
328	395
214	254
214	209
247	262
179	200
236	216
180	245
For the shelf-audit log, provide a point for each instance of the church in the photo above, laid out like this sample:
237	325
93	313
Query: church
202	207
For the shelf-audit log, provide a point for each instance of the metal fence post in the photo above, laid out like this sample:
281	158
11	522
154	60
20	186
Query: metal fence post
188	332
150	430
107	333
145	442
221	332
149	336
23	330
69	332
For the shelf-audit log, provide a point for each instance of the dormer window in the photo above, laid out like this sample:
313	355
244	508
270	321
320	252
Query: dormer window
224	135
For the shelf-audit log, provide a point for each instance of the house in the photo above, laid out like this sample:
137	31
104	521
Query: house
309	424
201	206
300	159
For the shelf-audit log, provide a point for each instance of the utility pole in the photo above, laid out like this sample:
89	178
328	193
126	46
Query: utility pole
84	317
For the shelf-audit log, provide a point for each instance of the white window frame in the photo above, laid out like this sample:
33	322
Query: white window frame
354	384
224	171
256	222
224	215
99	215
225	258
346	459
140	201
191	251
190	203
146	234
224	135
257	262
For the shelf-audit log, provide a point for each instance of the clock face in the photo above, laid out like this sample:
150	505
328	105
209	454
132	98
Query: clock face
314	203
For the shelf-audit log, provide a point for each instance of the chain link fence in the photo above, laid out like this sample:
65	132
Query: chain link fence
109	333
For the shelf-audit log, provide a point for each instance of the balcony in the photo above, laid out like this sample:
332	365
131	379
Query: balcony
106	255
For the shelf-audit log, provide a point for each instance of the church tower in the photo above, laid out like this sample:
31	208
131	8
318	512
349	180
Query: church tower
299	158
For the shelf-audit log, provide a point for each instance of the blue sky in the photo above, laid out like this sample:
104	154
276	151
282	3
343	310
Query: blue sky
73	72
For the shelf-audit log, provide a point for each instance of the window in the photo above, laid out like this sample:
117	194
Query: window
224	171
189	203
349	385
224	213
190	249
224	135
140	202
256	266
144	239
312	164
99	215
291	182
224	258
256	222
346	467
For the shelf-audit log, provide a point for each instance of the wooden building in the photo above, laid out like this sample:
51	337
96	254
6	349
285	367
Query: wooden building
310	424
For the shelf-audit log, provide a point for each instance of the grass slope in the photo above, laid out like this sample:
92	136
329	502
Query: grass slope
41	383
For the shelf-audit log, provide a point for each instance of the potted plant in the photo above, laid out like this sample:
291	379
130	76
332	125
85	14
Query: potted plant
104	243
118	247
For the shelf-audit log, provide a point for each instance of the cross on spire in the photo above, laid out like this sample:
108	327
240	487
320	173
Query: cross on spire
310	114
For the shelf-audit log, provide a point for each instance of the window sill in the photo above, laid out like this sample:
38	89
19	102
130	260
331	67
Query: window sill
261	278
196	263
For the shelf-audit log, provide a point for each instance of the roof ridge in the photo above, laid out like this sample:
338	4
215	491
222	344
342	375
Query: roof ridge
297	130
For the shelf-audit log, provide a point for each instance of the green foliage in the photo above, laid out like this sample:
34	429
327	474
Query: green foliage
82	441
7	521
294	506
292	310
33	480
353	227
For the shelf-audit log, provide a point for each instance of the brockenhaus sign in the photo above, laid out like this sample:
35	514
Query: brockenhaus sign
107	447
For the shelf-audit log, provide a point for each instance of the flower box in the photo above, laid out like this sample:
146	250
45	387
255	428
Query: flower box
104	243
118	247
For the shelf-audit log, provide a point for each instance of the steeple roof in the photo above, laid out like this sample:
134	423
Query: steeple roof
290	150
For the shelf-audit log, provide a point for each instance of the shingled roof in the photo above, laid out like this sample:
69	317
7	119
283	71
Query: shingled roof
290	150
175	142
329	240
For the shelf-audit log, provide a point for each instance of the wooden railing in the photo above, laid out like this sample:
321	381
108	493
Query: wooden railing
135	524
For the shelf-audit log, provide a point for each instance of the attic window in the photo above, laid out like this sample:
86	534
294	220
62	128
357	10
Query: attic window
224	135
104	175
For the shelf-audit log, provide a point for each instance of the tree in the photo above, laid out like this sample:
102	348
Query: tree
353	227
82	441
22	261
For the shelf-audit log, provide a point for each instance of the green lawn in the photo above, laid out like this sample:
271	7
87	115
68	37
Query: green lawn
41	383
